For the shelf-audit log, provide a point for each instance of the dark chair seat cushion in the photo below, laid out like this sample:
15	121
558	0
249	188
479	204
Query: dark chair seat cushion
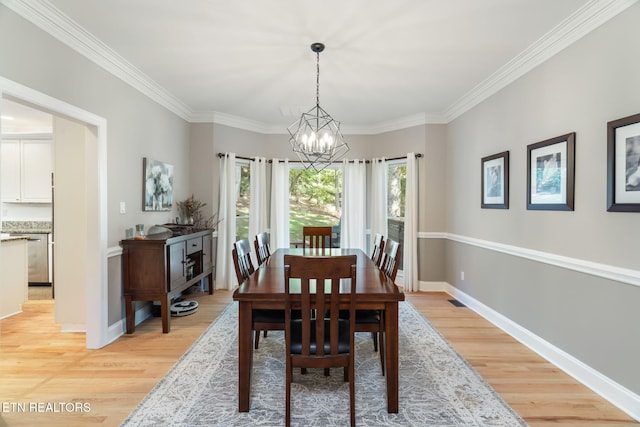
363	316
368	316
273	316
296	336
268	316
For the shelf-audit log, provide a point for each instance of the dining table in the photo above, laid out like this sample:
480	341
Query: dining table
265	289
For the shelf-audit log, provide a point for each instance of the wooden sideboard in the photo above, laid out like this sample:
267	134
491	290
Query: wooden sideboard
161	266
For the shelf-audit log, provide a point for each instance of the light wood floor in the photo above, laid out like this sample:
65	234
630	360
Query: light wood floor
40	365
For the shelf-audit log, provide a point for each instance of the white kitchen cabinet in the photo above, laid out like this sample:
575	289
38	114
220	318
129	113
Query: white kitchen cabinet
26	170
10	171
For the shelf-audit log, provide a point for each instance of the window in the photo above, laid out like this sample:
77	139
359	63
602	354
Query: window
242	200
396	185
315	199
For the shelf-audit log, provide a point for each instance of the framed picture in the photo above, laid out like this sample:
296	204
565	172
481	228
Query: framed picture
623	165
495	181
157	185
550	174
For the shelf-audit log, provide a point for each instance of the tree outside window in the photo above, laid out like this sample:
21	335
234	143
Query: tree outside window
396	186
243	181
397	182
315	199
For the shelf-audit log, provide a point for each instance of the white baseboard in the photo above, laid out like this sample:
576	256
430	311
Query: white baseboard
119	328
616	394
11	314
73	327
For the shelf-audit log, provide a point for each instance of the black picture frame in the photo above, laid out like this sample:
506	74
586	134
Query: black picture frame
494	181
157	186
623	164
551	174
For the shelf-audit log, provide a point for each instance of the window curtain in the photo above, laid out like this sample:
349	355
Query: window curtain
352	232
225	271
279	237
378	200
411	226
257	198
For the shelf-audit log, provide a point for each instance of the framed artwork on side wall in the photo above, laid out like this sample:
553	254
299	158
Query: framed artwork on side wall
623	164
550	173
157	185
495	181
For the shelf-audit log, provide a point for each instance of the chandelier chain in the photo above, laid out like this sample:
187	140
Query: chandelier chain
317	78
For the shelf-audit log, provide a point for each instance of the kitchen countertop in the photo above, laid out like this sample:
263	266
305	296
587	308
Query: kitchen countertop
7	237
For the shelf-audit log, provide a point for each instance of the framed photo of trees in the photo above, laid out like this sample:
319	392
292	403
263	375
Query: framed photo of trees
623	164
551	173
495	181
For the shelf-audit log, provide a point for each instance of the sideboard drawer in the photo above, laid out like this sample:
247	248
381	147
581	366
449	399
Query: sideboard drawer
194	245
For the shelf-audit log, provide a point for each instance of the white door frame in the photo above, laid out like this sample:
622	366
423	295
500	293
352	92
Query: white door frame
96	210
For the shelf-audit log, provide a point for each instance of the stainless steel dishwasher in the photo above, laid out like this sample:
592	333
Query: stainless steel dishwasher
38	259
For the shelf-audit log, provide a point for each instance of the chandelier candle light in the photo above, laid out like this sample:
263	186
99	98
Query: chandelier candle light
316	136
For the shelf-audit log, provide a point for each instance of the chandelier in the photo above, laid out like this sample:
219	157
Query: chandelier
316	136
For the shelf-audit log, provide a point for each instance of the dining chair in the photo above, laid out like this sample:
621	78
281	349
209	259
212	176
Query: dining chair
319	343
373	320
316	237
261	319
390	257
378	247
261	244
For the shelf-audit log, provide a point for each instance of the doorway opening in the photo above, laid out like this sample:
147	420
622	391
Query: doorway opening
84	229
27	191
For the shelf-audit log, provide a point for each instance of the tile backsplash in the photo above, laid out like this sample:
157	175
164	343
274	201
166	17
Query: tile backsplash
26	226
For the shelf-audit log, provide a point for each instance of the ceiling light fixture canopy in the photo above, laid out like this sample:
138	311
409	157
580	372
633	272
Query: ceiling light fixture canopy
316	136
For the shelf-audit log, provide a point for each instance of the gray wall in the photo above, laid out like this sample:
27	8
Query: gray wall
137	127
594	81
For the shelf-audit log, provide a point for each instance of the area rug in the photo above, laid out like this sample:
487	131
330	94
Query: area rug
437	386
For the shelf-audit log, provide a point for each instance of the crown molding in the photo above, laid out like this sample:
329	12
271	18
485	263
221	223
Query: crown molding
243	123
589	17
396	124
580	23
48	18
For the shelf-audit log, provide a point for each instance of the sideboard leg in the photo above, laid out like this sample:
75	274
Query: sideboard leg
166	314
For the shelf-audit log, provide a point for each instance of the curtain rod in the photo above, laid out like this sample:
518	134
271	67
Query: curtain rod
418	155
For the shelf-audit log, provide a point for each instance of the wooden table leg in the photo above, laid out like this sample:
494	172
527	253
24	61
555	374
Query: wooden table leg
391	356
245	356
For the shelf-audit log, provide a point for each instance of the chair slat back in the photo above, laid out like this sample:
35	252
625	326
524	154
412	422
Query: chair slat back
316	237
261	244
317	296
378	248
242	260
390	259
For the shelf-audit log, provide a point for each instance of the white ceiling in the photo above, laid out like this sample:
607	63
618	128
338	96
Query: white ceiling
19	118
385	61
